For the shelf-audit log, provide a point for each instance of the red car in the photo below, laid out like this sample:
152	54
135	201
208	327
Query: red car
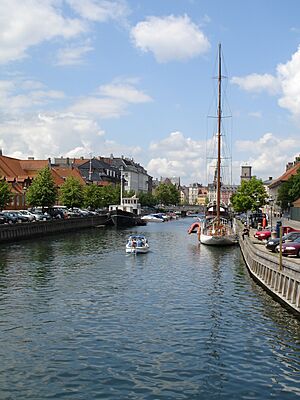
262	235
291	248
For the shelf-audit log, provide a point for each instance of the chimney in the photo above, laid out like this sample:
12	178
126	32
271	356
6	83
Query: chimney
270	178
0	152
31	158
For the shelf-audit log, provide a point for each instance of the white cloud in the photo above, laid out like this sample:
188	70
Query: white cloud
255	114
286	84
56	134
268	154
124	92
27	23
17	96
289	75
103	107
100	10
258	83
170	38
111	100
177	155
72	55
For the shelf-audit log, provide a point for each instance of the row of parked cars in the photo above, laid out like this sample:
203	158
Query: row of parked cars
37	214
290	242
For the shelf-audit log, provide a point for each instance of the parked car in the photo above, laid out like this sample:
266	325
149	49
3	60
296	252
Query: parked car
291	248
40	216
289	237
2	219
10	217
28	214
262	235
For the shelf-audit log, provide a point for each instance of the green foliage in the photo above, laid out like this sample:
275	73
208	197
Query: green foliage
147	199
92	197
5	194
71	193
110	195
250	196
167	194
42	192
289	191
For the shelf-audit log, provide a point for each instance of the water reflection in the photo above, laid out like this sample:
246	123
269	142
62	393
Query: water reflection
81	319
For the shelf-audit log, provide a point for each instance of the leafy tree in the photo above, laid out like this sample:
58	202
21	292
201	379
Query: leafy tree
42	192
110	195
167	194
289	191
71	193
250	196
92	196
295	189
147	199
5	194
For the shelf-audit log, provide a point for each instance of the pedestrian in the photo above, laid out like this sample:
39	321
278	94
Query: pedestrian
245	231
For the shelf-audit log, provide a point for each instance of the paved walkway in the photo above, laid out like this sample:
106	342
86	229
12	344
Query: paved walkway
290	222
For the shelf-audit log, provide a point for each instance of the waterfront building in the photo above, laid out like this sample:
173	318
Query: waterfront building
184	195
135	176
194	193
226	192
20	174
92	170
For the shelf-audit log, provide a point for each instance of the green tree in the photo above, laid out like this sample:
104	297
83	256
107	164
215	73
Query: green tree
110	195
5	194
167	194
92	196
295	189
42	192
289	191
71	193
147	199
250	196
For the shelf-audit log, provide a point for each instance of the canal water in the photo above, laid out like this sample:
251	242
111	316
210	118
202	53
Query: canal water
80	319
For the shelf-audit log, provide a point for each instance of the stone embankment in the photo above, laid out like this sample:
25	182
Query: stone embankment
10	233
280	276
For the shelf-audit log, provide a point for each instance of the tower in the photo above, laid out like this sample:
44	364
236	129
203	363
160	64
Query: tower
246	173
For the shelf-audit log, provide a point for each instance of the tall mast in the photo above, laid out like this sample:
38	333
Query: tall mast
219	140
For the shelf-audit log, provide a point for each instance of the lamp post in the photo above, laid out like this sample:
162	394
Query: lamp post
271	208
24	196
121	170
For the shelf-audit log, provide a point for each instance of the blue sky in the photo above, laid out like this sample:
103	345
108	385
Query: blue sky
134	78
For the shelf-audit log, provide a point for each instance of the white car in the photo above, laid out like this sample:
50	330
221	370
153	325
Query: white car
30	216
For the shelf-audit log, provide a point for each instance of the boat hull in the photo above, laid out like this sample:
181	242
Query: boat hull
137	250
215	240
123	219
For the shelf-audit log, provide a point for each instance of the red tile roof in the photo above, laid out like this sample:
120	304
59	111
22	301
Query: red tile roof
284	177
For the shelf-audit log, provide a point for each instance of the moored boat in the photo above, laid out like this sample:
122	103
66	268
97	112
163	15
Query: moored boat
127	213
153	218
217	228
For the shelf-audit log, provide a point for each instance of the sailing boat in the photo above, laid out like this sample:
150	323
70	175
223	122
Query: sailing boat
216	229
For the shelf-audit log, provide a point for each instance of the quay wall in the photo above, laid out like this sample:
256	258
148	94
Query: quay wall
15	232
281	281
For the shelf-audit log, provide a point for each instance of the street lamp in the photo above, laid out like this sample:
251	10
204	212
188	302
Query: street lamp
271	208
121	170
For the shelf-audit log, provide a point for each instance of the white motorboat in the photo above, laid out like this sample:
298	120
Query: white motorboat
153	218
137	244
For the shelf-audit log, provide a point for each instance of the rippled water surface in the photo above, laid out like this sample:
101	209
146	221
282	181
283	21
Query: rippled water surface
80	319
